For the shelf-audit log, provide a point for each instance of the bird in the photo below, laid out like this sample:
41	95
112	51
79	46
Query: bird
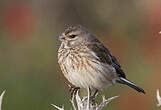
87	63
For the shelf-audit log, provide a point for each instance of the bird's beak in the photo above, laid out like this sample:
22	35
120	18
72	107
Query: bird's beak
61	37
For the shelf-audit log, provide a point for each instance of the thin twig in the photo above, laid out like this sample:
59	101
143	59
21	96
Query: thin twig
78	100
72	102
88	98
1	98
158	98
58	107
105	102
87	103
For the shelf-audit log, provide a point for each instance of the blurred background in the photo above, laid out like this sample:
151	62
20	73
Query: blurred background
29	29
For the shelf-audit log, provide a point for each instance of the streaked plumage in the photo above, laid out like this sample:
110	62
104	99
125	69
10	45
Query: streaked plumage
87	63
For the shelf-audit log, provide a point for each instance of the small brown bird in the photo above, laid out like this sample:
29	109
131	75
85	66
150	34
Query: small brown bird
87	63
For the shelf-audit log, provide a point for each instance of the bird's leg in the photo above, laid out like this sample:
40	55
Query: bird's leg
95	93
90	92
93	97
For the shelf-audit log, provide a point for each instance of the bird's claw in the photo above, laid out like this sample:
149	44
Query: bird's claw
73	91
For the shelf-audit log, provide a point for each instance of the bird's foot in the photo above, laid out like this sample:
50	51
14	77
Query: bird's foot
93	97
73	91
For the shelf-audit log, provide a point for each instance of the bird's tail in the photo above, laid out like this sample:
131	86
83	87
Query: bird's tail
132	85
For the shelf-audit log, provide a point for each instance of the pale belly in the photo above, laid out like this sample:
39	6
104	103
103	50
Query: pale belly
95	76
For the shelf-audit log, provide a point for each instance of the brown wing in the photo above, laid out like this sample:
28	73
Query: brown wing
105	56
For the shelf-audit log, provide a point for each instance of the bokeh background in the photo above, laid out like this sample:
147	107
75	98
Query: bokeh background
29	29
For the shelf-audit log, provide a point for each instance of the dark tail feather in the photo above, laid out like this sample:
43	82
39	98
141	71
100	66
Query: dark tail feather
129	83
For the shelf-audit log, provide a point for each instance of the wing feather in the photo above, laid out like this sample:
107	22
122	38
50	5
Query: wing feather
106	57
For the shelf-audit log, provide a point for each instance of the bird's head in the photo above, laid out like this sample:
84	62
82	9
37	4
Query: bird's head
75	36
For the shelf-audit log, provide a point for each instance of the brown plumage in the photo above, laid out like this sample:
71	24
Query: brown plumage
87	63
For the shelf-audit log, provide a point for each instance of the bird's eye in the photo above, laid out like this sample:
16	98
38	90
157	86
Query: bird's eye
72	36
